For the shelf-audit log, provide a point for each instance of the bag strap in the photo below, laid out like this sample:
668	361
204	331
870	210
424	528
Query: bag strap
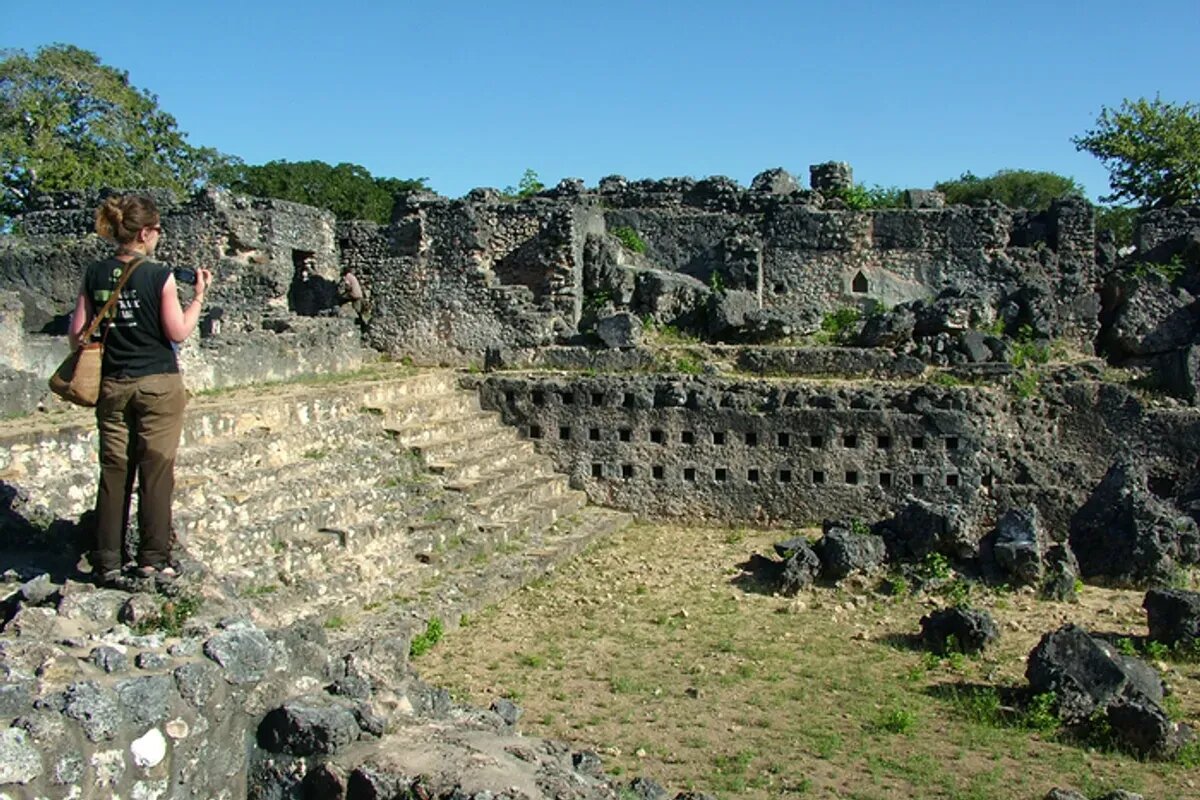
112	300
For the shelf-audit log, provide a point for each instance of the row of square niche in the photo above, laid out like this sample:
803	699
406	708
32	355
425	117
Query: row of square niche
754	475
540	397
753	439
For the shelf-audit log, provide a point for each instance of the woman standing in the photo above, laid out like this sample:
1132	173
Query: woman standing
140	409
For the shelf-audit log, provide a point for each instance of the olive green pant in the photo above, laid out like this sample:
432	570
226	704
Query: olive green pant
140	420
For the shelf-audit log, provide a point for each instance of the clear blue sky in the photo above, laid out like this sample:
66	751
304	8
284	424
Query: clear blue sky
472	93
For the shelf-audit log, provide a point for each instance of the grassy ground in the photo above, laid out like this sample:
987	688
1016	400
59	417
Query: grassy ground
656	651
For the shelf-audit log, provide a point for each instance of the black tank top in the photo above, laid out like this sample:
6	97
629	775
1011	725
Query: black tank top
136	344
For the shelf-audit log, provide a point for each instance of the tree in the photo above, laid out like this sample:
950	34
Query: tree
1016	188
68	123
348	190
1151	149
528	186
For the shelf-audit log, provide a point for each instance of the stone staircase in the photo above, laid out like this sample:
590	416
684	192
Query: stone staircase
389	495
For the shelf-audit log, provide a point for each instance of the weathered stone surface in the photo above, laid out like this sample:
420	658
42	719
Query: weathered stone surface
800	570
1173	616
1144	727
243	653
958	630
1178	373
1087	673
1125	535
622	330
94	708
308	726
20	761
843	552
1153	318
920	528
729	312
647	789
109	659
1017	546
197	682
145	699
138	609
774	181
1062	579
507	710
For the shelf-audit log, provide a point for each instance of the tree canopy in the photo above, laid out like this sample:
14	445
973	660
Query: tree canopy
69	122
348	190
1151	149
1016	188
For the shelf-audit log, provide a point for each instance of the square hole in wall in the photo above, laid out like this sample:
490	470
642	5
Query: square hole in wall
535	432
883	441
751	439
564	432
779	288
657	437
852	477
783	439
689	474
687	437
593	434
538	397
816	440
986	481
918	443
568	398
818	476
718	437
918	480
597	398
627	471
510	397
720	474
952	479
885	480
658	472
629	400
625	434
597	470
752	475
785	476
951	442
726	401
849	440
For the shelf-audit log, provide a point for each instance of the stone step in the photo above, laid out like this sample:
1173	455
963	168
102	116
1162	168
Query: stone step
513	502
500	479
479	425
492	455
450	450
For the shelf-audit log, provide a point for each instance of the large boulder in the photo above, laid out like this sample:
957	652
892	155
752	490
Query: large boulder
800	569
774	181
1126	536
1178	373
308	726
1061	581
1152	317
621	330
958	630
890	328
1092	681
920	528
1173	616
728	312
1016	546
844	552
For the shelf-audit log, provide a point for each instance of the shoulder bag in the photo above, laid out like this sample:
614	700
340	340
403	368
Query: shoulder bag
77	379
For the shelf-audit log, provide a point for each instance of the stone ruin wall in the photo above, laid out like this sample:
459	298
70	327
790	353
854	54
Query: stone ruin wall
797	452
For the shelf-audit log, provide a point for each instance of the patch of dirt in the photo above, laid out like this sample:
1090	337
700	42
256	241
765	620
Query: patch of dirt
655	651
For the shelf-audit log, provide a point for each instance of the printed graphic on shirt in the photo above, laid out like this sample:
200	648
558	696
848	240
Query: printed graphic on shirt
122	314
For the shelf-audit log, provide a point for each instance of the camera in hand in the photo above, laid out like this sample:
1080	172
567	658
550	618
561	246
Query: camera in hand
185	275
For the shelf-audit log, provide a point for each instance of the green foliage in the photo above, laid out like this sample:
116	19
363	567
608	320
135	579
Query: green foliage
861	197
630	239
896	720
934	567
716	282
689	364
528	186
596	301
947	379
859	528
839	326
1151	149
1026	384
957	593
1027	350
171	616
422	643
983	705
348	190
69	123
1171	270
1117	220
1016	188
335	623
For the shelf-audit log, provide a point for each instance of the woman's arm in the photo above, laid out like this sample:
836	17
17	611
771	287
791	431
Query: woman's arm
178	323
80	318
